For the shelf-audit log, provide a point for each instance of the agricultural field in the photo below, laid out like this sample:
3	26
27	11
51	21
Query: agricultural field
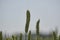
28	35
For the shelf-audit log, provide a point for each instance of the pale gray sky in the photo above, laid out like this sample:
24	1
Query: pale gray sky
13	14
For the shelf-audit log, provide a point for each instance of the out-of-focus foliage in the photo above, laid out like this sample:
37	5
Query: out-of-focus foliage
14	37
54	36
0	35
20	36
29	35
8	39
59	37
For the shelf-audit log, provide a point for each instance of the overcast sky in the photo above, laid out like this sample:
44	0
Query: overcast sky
13	15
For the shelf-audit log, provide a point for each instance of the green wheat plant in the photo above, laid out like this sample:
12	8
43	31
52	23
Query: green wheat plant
29	35
59	37
54	36
14	37
8	39
20	36
0	35
27	23
37	29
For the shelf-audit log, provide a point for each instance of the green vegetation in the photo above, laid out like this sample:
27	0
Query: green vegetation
28	36
54	36
0	35
37	29
14	37
8	39
20	36
27	23
59	37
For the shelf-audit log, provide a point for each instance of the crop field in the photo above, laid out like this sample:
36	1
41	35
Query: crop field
28	35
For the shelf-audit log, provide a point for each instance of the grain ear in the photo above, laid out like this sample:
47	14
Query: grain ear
37	28
27	21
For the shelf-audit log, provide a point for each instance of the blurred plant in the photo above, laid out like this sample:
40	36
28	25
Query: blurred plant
59	37
37	29
0	35
8	39
27	23
20	36
29	35
54	36
55	33
14	37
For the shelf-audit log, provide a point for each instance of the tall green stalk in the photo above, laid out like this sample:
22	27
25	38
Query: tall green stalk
37	29
54	36
27	23
14	37
20	36
59	37
29	35
0	35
